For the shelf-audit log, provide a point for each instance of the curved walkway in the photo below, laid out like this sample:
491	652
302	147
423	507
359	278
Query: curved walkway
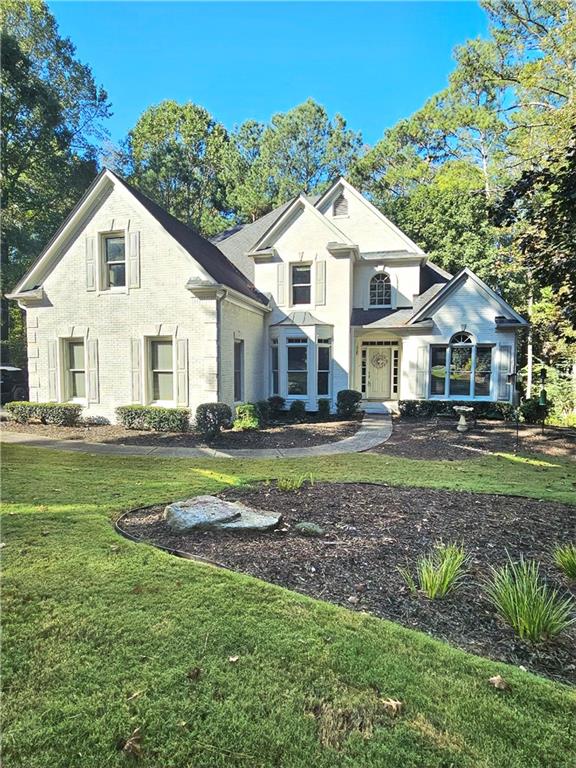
376	429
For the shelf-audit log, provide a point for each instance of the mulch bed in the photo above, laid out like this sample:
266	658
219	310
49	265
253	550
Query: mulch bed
437	438
370	530
276	436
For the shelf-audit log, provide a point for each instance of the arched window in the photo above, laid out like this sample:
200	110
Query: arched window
380	290
461	369
340	207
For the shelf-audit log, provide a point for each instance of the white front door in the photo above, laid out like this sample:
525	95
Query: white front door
378	372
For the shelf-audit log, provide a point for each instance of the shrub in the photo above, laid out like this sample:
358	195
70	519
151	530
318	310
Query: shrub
534	610
438	573
247	417
565	559
152	417
323	408
277	404
482	410
294	483
59	414
309	529
347	402
532	412
211	417
263	407
297	410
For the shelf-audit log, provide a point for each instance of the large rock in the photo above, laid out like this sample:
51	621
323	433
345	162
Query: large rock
210	513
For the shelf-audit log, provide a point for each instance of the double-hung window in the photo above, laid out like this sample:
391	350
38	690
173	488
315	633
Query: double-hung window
114	267
75	369
461	369
301	279
274	367
238	370
162	370
297	365
323	370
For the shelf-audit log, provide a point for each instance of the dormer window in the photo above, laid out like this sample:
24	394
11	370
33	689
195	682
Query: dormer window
380	290
340	207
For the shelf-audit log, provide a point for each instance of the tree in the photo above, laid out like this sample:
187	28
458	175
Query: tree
181	157
302	150
52	114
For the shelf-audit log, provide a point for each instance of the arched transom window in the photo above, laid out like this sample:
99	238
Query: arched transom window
380	290
461	369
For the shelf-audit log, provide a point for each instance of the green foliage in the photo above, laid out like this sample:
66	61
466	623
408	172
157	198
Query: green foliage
297	410
307	528
534	610
277	405
423	409
294	482
565	559
347	403
211	417
324	406
247	417
438	573
59	414
264	409
154	418
534	413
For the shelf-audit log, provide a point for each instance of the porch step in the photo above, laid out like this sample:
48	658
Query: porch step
379	406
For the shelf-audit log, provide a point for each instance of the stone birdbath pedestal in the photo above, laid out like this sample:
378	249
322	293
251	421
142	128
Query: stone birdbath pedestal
461	411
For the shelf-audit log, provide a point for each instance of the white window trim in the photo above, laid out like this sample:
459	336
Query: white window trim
275	345
284	384
242	372
148	377
103	286
328	345
63	352
471	397
387	305
291	265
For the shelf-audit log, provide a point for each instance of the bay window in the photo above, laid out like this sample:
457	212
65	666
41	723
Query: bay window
323	369
460	369
297	365
274	368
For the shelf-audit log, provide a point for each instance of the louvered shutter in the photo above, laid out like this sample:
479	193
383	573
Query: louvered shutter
52	370
421	389
134	259
93	378
340	206
181	371
320	282
136	370
90	263
281	283
504	368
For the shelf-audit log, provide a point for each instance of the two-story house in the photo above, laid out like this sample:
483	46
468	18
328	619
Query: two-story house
128	305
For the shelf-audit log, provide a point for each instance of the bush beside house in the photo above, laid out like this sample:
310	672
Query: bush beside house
58	414
154	418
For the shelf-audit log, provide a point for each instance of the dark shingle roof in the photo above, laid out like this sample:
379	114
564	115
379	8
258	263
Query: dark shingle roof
201	250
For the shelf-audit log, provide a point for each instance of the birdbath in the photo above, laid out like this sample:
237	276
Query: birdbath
462	410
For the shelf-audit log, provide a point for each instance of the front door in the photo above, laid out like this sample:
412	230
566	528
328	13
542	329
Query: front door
378	372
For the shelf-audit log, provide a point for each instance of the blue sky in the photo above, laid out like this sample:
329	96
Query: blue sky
373	62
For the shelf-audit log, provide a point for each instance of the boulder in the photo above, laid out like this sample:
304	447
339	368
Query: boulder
209	513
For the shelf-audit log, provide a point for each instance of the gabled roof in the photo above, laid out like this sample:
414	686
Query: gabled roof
428	307
205	253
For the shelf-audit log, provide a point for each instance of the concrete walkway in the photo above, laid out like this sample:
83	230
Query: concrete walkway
376	428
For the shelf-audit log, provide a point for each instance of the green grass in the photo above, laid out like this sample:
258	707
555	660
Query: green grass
439	572
99	635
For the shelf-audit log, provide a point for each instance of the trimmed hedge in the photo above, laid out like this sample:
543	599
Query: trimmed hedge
152	417
323	407
277	404
347	402
211	417
263	407
59	414
247	417
298	410
482	409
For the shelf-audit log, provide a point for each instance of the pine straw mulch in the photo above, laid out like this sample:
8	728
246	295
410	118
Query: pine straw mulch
275	436
371	530
437	438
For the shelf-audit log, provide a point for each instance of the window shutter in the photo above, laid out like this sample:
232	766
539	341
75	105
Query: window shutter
320	282
134	259
92	373
422	372
181	371
52	370
136	370
90	263
340	206
281	287
504	368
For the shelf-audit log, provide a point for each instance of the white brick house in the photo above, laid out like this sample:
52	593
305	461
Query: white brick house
128	305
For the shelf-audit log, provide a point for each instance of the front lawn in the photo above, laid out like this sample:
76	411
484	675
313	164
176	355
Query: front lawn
103	637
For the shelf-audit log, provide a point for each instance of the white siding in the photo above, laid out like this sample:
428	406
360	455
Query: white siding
239	322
